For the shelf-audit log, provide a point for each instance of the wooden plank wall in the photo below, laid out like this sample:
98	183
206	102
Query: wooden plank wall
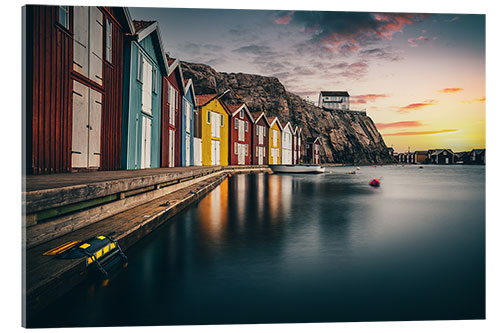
50	105
111	122
164	124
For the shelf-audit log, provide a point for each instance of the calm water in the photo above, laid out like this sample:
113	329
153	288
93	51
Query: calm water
305	248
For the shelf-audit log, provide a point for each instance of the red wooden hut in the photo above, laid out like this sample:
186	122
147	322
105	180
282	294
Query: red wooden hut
73	73
173	90
296	144
260	138
240	135
312	151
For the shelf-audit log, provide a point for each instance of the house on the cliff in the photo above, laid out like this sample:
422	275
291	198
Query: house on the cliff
296	144
145	65
260	138
172	134
74	92
240	135
187	125
275	130
287	144
312	151
214	122
334	100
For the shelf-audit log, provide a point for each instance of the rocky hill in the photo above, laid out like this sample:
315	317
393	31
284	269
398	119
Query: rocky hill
346	138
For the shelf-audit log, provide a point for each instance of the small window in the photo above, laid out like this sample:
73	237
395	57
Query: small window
236	123
140	62
109	40
155	81
208	117
246	150
221	120
246	126
63	17
241	114
236	148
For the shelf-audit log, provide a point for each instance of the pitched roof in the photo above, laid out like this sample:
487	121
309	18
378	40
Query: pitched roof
141	25
233	107
257	115
170	61
334	93
204	99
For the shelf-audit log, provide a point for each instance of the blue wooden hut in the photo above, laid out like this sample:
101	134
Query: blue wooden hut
188	124
145	64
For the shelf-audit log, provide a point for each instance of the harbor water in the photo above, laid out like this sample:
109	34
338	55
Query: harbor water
304	248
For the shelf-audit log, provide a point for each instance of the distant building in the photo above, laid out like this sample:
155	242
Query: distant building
312	151
420	156
478	156
441	156
331	100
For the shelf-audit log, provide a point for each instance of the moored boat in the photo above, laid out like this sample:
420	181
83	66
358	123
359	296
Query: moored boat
297	168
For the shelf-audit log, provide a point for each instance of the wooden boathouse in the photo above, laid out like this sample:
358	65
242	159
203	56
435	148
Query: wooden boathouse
145	64
74	74
260	138
187	124
240	138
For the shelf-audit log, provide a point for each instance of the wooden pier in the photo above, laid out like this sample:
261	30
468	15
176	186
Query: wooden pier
74	207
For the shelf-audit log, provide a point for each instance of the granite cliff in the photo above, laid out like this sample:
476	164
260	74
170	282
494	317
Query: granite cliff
347	138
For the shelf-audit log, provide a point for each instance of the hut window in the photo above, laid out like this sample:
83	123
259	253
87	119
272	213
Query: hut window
208	117
109	40
241	114
236	120
63	17
246	149
246	126
236	148
221	120
155	83
139	67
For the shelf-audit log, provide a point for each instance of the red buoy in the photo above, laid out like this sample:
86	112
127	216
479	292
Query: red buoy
375	182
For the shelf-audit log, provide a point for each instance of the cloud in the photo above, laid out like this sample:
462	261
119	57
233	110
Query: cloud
453	19
382	53
477	100
363	99
397	124
259	50
344	32
422	132
450	90
413	41
417	106
284	18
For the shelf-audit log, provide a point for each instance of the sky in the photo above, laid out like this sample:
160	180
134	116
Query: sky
420	77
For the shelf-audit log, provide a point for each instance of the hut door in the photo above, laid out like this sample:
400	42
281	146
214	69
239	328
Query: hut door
215	152
171	145
86	127
261	155
146	143
188	150
241	153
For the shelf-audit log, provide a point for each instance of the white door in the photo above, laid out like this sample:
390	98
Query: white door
215	152
171	150
86	127
241	153
261	154
147	81
188	150
146	143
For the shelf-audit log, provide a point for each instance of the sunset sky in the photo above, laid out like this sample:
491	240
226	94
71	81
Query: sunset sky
420	77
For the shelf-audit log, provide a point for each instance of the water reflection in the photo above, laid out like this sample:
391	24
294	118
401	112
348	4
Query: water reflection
298	248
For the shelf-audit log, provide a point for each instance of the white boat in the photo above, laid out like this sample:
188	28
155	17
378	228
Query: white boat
297	168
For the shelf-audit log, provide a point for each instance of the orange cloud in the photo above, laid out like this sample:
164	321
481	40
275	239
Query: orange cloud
422	132
477	100
363	99
399	124
450	90
417	106
284	19
413	41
